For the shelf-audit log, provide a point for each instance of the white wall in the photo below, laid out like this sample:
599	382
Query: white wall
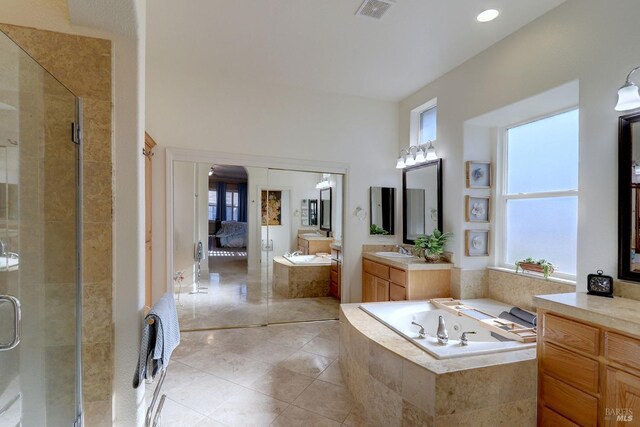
184	216
592	41
245	118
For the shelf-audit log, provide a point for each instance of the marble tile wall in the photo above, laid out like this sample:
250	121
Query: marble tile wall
519	289
83	65
626	289
467	284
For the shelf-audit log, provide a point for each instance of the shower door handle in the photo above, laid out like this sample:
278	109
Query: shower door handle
17	322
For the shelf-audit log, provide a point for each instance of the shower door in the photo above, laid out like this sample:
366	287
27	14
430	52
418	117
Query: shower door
39	268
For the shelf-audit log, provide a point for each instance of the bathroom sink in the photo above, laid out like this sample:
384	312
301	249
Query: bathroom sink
393	255
312	235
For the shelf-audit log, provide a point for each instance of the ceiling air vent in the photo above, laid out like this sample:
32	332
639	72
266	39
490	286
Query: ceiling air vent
374	8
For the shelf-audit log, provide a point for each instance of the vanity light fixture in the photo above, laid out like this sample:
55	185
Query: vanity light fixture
211	171
628	96
416	154
487	15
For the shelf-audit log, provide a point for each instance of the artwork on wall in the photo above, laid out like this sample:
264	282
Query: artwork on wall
476	242
304	212
477	209
478	174
271	207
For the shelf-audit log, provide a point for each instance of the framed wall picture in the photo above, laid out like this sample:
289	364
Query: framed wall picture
476	242
478	174
477	209
271	207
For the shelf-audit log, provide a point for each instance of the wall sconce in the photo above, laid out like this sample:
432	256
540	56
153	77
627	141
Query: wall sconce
324	182
416	154
211	171
628	96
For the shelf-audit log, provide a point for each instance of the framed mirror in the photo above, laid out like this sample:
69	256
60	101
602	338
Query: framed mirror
382	202
629	197
325	209
421	200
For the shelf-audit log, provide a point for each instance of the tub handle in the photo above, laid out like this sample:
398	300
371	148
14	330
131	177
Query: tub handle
463	338
421	332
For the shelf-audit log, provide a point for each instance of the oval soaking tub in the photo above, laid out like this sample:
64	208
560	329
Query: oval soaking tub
308	259
399	315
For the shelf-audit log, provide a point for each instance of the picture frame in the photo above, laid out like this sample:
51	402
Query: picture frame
476	242
478	174
477	208
271	208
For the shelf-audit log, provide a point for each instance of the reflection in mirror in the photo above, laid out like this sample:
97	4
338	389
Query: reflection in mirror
629	198
382	207
325	209
421	200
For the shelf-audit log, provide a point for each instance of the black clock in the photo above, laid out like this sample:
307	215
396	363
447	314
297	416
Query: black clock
600	285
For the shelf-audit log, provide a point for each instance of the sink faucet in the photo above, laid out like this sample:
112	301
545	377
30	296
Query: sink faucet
442	334
463	339
3	248
403	250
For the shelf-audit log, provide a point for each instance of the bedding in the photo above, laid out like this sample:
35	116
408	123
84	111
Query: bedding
233	234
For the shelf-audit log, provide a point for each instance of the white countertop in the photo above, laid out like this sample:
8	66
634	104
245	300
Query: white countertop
413	263
618	313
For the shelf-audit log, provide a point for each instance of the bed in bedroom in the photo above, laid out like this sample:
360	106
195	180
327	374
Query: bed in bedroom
232	234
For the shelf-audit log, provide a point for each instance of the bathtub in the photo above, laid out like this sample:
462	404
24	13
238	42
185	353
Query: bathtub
308	260
399	315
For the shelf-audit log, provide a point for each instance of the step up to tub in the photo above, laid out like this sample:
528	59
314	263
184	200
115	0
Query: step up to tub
505	328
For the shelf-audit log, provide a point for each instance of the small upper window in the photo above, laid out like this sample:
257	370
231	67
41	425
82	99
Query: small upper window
427	125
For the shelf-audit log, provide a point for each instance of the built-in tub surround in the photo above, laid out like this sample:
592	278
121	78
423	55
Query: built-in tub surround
395	383
300	279
407	319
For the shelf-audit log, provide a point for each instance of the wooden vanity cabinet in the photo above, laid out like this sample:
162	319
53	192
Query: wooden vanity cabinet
335	282
382	282
585	373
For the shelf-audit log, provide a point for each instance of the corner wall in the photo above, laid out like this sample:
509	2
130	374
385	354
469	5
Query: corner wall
591	41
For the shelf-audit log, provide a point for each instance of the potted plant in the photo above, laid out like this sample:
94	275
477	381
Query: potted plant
431	246
540	266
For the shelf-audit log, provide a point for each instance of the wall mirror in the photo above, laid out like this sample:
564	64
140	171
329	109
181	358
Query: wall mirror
629	197
382	208
325	209
421	200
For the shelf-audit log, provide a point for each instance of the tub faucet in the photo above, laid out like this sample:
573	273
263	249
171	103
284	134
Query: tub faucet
296	253
421	332
442	334
463	339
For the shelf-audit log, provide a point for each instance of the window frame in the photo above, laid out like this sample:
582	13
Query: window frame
502	197
414	121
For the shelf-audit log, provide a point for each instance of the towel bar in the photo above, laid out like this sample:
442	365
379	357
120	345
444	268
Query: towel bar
156	392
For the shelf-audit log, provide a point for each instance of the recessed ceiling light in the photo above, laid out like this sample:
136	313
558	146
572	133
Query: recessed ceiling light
488	15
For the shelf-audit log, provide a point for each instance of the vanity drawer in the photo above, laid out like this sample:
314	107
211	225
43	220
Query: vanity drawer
397	292
550	418
571	334
578	371
376	269
622	350
570	402
398	276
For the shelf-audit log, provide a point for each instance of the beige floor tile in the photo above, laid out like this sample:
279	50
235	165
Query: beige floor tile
332	374
209	422
175	414
269	352
205	394
231	367
249	408
323	347
326	399
355	418
296	417
178	374
282	384
291	338
305	363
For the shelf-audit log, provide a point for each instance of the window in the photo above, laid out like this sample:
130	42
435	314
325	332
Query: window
540	196
232	205
213	203
427	130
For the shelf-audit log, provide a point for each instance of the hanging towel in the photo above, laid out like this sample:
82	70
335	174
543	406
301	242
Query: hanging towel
159	339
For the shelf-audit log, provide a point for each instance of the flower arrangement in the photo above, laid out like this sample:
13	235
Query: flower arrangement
432	245
540	266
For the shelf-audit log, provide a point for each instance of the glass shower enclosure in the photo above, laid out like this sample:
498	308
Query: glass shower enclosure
40	292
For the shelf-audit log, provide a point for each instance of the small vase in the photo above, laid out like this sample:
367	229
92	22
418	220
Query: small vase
431	257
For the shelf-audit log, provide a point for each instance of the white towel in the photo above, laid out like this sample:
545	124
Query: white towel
159	339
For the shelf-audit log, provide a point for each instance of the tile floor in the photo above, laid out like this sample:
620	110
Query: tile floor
276	375
236	298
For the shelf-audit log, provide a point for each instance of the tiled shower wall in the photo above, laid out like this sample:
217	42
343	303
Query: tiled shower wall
83	64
